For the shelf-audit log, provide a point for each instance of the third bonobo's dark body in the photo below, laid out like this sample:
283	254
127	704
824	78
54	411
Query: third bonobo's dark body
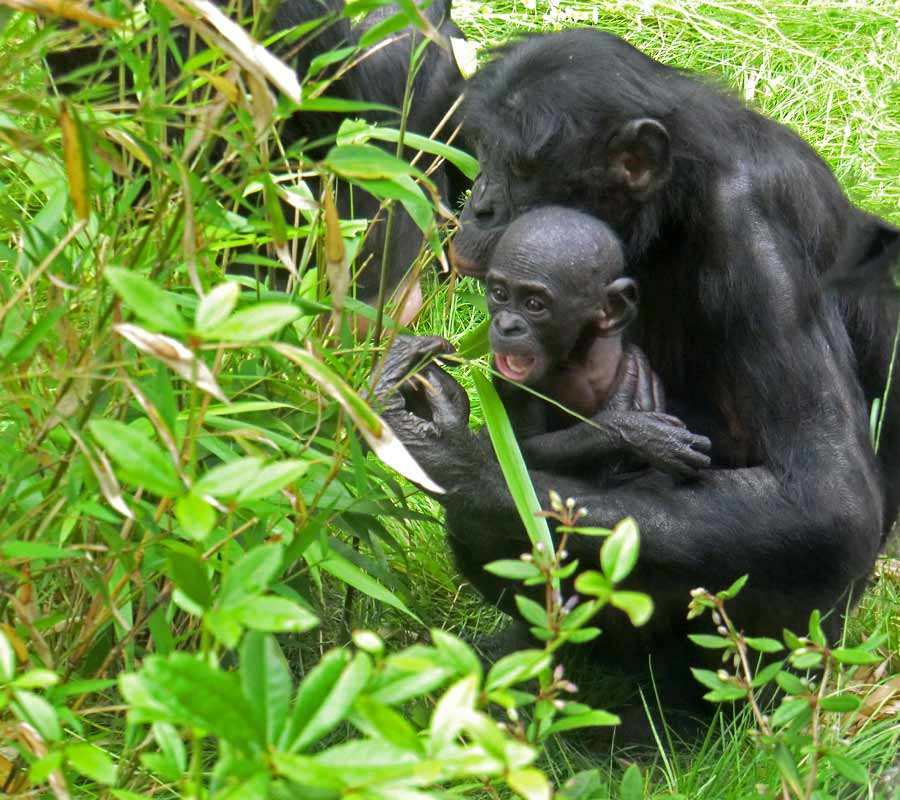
560	306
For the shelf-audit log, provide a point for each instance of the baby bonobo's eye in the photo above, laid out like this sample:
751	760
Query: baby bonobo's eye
534	305
498	294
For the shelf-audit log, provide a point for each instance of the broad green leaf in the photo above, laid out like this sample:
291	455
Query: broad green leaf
314	715
305	771
790	710
313	693
516	668
266	681
273	614
367	162
855	655
460	159
620	551
726	695
382	722
272	478
791	683
146	299
513	569
373	429
172	758
766	674
632	786
250	575
709	678
784	759
189	574
37	551
38	713
227	480
452	711
591	719
708	641
733	590
637	605
511	463
92	762
531	612
140	459
531	784
848	768
459	654
807	660
252	324
841	703
195	516
764	645
36	679
594	584
816	634
217	305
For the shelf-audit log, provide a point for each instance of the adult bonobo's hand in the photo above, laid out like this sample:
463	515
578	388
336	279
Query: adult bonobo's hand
425	407
661	440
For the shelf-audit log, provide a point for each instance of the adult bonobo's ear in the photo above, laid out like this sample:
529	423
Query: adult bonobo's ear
640	158
619	306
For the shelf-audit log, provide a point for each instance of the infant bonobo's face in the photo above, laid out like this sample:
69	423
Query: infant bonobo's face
546	288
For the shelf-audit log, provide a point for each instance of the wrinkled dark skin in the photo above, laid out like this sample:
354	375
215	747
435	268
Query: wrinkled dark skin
729	223
558	300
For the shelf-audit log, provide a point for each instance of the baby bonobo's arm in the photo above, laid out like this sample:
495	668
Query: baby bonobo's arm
631	423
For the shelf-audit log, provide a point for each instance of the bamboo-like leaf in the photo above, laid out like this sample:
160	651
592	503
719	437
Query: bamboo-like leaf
77	12
511	463
373	429
75	160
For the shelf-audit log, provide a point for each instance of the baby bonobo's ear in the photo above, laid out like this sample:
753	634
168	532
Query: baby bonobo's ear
619	306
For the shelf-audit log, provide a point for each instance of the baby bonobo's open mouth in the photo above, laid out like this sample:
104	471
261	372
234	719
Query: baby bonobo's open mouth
516	368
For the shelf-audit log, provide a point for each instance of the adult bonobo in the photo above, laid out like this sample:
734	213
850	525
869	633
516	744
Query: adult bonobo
559	307
729	221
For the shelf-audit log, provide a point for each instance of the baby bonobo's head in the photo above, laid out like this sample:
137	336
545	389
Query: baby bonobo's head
554	286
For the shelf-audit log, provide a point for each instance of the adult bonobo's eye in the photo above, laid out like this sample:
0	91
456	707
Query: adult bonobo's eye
498	294
534	306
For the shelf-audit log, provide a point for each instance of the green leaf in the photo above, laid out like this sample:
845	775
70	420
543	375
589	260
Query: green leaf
37	551
138	456
620	551
266	681
727	694
764	645
324	698
632	786
841	703
185	690
7	659
146	299
708	641
788	768
709	678
790	683
513	569
171	761
195	516
217	305
227	480
36	679
816	634
367	162
189	574
594	584
637	605
531	612
733	590
516	668
512	464
848	768
807	660
766	674
531	784
273	614
855	655
381	721
92	762
591	719
251	574
456	652
790	710
252	324
272	478
38	713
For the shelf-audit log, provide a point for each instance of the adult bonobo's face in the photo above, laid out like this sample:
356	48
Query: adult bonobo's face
553	287
553	122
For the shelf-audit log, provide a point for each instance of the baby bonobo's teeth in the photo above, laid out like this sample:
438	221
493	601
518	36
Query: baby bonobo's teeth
516	368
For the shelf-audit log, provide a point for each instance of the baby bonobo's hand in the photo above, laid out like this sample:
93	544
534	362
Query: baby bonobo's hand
664	442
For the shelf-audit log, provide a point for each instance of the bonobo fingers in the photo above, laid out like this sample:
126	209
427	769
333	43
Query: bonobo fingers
406	354
447	400
669	446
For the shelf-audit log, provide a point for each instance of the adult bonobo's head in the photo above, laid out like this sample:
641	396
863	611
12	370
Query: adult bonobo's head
554	287
578	118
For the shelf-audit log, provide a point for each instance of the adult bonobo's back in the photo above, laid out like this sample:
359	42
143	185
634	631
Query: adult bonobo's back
729	220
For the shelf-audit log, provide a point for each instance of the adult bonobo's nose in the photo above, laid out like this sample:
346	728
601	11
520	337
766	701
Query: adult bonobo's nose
510	325
484	201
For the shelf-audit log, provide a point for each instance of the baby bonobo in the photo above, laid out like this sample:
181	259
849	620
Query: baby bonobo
559	306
